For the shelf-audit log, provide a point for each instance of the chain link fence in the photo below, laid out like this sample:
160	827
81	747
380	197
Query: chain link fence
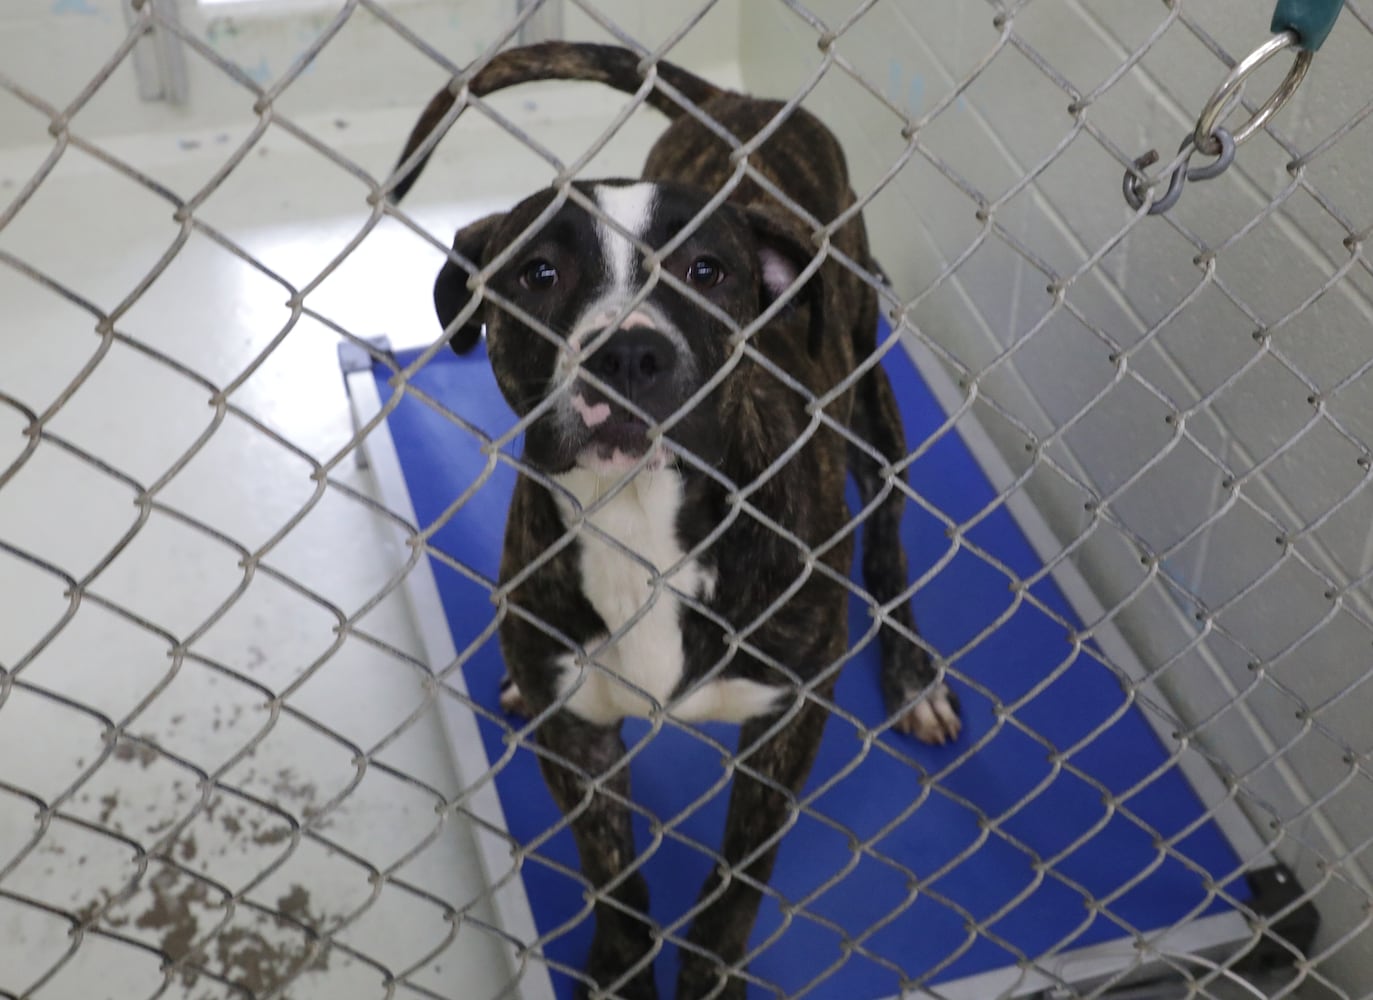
223	771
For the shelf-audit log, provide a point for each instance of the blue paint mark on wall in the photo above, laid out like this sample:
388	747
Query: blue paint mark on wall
83	7
905	87
915	94
261	73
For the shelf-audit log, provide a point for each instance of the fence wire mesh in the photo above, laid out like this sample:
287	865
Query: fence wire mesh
221	767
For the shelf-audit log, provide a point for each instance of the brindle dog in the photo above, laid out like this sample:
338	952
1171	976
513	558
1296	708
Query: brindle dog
694	480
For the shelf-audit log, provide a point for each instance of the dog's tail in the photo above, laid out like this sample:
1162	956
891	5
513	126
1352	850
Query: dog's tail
608	64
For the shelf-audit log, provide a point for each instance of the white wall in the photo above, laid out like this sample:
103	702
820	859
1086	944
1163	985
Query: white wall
1240	628
358	98
365	67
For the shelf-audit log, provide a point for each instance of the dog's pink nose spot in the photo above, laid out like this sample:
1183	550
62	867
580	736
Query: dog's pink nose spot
591	415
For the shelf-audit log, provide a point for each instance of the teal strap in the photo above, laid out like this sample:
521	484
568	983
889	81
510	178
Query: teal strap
1310	19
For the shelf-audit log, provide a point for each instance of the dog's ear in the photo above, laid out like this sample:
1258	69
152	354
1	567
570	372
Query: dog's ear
784	251
451	294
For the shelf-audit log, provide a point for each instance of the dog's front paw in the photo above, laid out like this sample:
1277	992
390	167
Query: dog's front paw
704	979
607	964
639	988
512	700
934	718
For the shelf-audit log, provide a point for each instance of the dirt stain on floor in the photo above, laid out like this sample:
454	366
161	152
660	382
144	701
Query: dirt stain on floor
258	950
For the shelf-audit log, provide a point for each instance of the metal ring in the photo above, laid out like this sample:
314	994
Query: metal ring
1210	116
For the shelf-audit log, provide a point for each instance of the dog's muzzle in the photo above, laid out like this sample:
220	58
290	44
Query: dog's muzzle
640	365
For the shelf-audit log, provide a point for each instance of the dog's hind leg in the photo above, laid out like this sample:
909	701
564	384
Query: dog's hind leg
920	703
771	769
588	776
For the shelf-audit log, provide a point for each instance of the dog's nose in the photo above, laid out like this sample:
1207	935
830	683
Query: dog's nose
633	362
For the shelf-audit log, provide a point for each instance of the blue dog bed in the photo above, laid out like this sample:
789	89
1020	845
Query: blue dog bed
924	864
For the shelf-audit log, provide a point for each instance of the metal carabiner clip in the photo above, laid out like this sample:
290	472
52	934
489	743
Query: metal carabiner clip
1134	189
1208	137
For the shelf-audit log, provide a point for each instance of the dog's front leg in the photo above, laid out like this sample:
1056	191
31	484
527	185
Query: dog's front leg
772	769
920	703
589	779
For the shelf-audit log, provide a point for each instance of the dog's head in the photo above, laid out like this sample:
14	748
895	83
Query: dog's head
582	276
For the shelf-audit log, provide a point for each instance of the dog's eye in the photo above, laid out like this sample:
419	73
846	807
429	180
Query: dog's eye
539	276
705	272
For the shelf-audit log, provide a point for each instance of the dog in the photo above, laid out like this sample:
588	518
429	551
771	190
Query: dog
680	541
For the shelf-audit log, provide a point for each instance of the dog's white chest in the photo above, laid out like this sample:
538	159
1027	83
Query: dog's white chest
630	568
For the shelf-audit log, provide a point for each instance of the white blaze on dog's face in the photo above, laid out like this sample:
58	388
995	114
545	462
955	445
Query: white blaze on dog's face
628	209
602	356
